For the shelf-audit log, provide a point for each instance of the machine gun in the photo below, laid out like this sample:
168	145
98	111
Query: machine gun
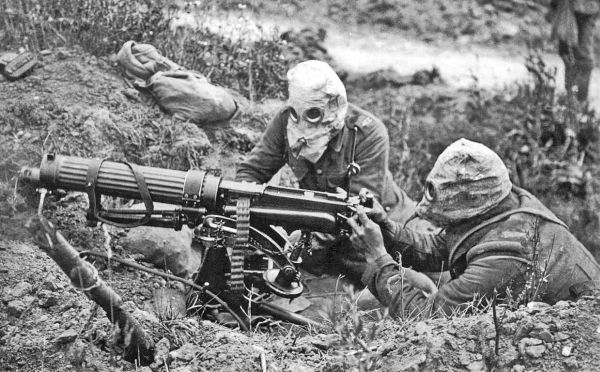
234	221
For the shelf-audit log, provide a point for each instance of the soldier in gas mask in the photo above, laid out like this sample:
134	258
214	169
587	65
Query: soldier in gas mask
319	135
496	238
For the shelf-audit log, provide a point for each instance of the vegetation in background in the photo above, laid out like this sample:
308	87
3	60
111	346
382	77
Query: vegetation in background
254	68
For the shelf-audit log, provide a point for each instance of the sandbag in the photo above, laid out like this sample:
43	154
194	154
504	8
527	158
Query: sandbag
189	96
143	60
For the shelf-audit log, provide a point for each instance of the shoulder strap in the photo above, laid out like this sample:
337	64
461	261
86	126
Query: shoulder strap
499	218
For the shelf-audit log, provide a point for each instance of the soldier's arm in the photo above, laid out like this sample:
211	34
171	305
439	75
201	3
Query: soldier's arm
420	251
407	293
267	157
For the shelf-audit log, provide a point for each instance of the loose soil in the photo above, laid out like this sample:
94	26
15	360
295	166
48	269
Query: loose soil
77	104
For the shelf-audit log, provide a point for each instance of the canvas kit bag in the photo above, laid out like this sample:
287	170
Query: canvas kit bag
185	94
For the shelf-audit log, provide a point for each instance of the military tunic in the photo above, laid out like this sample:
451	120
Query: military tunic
329	172
502	250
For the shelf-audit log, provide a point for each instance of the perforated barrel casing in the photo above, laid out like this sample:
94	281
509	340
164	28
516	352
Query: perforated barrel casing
114	178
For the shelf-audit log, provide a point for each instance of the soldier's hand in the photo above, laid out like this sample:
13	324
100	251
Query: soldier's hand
366	235
377	213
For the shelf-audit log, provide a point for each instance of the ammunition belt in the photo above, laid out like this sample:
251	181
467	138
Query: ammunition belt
242	224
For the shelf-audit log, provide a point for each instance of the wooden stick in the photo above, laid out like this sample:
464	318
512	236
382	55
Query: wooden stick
132	338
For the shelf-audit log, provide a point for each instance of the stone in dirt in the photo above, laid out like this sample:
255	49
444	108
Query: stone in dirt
21	289
528	346
47	298
535	307
535	351
542	332
186	352
567	350
477	366
165	248
16	308
571	363
161	353
67	336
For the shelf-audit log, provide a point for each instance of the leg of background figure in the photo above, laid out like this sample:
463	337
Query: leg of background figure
566	52
584	55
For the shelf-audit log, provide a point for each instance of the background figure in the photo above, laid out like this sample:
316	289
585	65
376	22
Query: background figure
573	25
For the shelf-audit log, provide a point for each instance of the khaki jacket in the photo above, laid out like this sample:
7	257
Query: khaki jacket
330	254
503	250
372	155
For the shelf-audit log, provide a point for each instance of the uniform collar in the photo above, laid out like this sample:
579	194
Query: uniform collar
336	143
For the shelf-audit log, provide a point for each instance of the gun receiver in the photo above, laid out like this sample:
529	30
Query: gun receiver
227	213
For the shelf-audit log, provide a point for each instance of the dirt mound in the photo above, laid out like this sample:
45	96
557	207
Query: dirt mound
45	323
76	104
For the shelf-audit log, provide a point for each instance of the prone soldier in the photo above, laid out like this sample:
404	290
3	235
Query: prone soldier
496	237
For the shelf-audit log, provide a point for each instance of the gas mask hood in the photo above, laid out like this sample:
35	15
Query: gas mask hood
317	107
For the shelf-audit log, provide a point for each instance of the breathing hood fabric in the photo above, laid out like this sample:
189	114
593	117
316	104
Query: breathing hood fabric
467	180
314	87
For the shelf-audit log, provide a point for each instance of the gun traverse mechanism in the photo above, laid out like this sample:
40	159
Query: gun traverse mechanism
234	221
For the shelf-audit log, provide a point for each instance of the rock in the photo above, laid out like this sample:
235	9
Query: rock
16	308
567	350
21	289
535	351
50	285
186	352
477	366
505	30
165	248
464	358
518	368
527	342
561	337
523	329
571	364
161	353
509	356
131	93
67	336
47	298
535	307
422	328
541	331
62	54
324	342
561	304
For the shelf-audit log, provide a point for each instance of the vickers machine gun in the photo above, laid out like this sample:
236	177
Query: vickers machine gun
234	221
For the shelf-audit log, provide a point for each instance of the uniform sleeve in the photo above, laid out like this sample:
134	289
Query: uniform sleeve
478	282
420	251
267	157
405	294
372	155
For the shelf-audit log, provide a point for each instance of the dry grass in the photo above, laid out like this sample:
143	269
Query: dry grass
254	68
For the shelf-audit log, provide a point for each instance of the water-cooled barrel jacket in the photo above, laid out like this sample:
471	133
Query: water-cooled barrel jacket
497	250
372	155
